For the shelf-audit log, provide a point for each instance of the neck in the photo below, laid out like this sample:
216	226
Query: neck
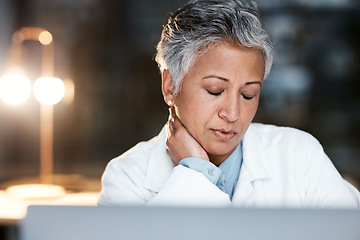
219	159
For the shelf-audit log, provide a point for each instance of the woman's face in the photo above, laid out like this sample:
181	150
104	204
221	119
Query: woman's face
219	97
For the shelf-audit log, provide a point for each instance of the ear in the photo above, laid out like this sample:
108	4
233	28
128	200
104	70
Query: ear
167	86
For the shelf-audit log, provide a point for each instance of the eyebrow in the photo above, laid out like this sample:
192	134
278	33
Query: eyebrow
254	82
227	80
218	77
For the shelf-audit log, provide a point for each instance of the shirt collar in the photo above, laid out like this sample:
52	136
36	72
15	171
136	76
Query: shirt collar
232	165
230	169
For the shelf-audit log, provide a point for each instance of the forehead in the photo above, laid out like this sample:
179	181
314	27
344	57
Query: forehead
230	60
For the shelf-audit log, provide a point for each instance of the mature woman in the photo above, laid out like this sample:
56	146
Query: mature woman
213	57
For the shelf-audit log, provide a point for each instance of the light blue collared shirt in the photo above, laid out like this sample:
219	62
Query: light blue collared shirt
225	176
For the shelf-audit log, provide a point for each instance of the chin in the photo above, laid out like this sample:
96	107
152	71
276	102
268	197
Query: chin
220	151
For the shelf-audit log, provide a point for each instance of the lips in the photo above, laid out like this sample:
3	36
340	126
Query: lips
224	134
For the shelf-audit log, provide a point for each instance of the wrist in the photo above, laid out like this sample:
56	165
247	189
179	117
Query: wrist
208	169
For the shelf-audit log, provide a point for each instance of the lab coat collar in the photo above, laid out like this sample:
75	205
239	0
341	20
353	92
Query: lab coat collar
159	165
254	167
254	164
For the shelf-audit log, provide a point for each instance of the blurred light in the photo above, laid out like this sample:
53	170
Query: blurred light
15	88
22	35
45	38
35	191
49	90
69	91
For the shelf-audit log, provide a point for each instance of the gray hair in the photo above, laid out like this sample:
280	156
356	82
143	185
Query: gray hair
198	25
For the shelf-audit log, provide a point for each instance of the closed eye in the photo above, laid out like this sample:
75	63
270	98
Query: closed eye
215	93
247	97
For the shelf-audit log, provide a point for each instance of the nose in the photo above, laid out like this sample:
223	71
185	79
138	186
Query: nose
230	109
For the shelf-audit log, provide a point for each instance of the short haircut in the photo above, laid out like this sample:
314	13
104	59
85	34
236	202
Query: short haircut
194	28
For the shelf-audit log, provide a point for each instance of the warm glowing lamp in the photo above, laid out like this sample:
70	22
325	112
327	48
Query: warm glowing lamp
48	91
14	88
45	37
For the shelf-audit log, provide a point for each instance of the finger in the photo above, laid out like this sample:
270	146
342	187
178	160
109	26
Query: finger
174	121
172	111
171	126
175	118
170	114
177	124
168	131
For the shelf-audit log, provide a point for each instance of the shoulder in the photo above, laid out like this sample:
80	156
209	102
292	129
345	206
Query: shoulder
271	134
136	154
134	158
286	147
283	140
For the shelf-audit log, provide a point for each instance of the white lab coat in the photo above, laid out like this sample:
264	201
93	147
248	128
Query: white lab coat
282	167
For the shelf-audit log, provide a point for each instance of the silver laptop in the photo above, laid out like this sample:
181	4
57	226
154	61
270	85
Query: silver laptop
135	223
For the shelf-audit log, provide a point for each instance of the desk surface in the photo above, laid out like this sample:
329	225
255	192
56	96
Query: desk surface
12	209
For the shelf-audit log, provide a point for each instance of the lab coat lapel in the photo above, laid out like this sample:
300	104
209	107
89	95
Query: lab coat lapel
255	167
244	194
160	165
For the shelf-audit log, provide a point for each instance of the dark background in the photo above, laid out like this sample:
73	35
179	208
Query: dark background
107	48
